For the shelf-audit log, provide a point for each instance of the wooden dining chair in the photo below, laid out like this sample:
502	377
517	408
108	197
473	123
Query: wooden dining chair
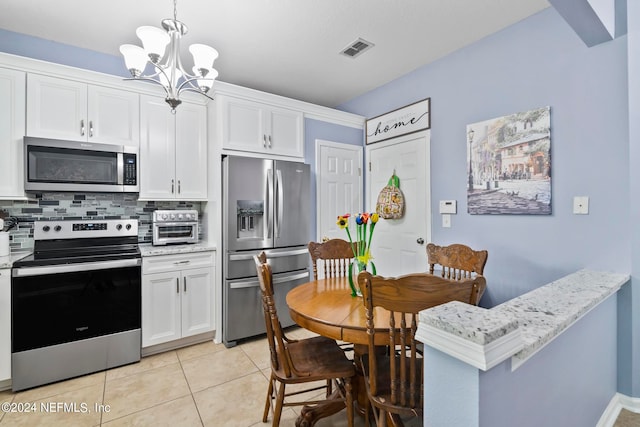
456	261
394	378
336	255
311	360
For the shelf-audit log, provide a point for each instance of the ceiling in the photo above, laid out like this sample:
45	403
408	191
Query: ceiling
287	47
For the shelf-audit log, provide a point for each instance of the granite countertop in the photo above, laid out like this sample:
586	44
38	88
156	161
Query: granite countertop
7	261
533	319
149	250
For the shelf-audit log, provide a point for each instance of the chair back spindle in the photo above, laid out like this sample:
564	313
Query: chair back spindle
394	378
335	255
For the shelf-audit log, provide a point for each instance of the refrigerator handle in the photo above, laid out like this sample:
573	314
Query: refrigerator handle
269	202
280	201
291	277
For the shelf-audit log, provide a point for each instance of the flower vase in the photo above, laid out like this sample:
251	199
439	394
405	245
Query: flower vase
360	266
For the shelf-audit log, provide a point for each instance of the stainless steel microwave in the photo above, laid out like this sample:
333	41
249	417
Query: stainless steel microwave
55	165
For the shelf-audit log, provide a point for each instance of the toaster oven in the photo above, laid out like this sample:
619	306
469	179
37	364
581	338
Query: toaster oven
175	227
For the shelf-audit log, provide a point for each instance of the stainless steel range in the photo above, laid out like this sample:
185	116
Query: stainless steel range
76	301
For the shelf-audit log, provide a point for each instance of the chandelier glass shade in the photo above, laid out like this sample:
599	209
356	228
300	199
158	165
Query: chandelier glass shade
161	50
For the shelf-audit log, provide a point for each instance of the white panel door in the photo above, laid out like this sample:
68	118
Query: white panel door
398	246
338	185
157	149
161	319
191	152
197	301
12	123
56	108
114	116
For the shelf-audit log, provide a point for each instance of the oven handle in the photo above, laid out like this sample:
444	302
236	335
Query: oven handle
71	268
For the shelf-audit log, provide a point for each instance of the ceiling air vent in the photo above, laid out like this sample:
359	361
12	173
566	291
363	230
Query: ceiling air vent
356	48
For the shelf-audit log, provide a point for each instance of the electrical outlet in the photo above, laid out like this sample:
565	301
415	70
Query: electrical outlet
581	205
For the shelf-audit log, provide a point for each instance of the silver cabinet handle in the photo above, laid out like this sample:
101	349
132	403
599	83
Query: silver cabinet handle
172	186
269	141
82	127
177	285
186	261
178	186
184	280
91	128
264	141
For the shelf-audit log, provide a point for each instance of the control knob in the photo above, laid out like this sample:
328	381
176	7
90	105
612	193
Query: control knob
128	226
119	227
57	228
46	228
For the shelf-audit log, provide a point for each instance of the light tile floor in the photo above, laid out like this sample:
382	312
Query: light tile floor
201	385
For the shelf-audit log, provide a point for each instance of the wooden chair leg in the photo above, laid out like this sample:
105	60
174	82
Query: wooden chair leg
268	403
279	403
349	396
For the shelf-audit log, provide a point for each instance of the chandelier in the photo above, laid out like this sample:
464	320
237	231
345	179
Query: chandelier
167	69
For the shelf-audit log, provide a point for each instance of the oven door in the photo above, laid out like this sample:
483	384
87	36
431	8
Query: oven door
175	232
64	303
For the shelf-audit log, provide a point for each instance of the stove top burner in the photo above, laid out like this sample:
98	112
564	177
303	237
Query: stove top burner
81	241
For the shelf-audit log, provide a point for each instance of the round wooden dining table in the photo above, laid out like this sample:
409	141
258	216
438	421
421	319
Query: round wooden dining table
326	307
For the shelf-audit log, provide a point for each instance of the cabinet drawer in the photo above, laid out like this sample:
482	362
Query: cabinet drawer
164	263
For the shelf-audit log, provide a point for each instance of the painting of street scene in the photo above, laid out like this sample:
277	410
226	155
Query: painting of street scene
509	164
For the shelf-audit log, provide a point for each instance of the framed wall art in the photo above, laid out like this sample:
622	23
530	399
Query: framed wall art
412	118
509	164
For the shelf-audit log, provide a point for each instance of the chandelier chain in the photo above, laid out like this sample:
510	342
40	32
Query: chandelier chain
175	10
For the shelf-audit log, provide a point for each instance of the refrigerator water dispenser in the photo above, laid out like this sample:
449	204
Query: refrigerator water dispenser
250	218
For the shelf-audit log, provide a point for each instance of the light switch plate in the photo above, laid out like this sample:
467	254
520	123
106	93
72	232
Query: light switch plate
446	221
581	205
448	206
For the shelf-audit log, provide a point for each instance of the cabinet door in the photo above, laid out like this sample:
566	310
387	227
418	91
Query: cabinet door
12	124
285	132
191	152
161	319
56	108
157	149
243	125
197	301
114	116
5	324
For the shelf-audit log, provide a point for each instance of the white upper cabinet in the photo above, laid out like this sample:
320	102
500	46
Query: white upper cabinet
12	126
173	150
70	110
260	128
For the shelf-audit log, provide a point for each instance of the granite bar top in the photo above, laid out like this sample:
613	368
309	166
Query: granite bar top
149	250
7	261
537	316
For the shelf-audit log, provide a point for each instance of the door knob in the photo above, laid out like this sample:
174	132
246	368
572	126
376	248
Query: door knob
420	241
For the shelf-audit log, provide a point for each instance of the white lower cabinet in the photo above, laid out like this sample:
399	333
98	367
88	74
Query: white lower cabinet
177	296
5	324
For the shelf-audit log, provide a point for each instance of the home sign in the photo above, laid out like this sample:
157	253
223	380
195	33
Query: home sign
412	118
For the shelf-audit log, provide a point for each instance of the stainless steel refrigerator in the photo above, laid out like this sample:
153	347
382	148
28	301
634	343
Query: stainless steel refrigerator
266	207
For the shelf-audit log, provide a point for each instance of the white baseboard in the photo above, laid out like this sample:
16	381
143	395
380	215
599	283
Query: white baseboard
617	403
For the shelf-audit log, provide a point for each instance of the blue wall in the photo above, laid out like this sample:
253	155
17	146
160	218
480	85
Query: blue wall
537	62
47	50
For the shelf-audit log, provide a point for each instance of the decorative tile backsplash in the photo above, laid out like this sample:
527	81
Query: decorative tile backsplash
91	206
